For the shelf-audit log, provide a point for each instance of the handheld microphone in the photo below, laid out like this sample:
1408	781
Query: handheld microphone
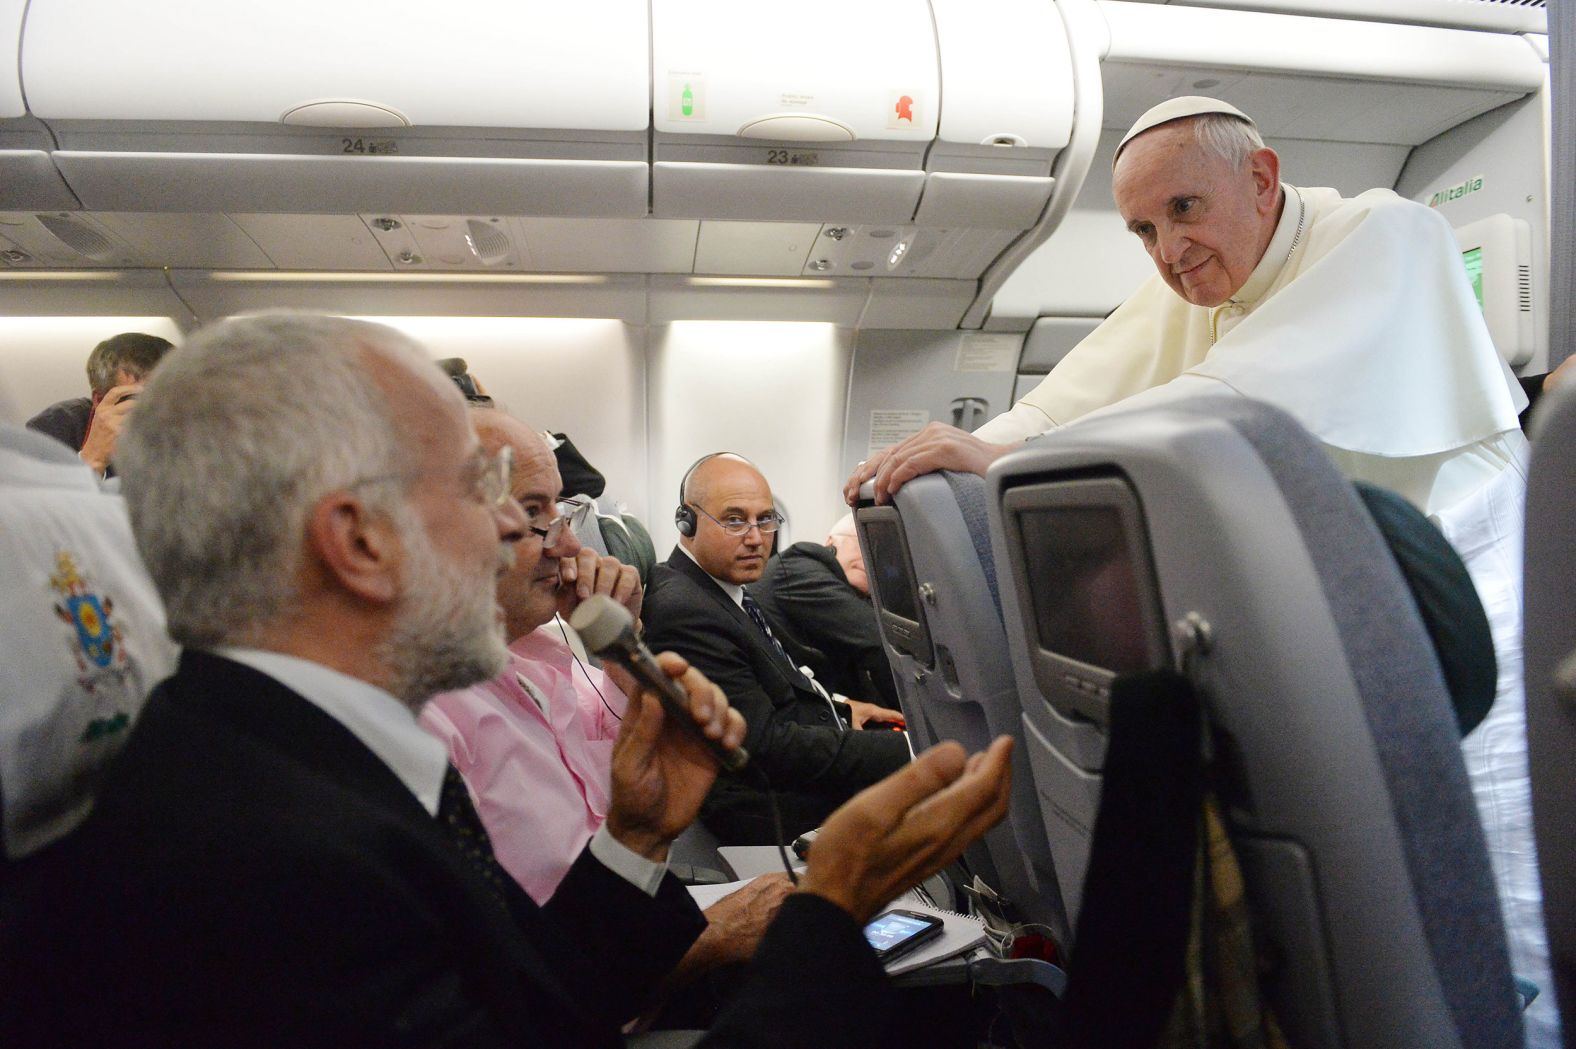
608	630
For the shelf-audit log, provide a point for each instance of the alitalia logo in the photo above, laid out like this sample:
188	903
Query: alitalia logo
1471	185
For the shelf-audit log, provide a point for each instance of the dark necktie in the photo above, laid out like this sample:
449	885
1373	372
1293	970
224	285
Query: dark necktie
465	830
758	617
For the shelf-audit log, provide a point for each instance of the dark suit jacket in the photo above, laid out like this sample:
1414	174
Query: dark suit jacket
825	622
254	876
793	739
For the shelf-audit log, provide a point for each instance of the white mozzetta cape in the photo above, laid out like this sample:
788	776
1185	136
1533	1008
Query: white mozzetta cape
1362	325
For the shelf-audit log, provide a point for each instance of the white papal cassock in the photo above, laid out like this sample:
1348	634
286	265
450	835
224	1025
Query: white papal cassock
1360	322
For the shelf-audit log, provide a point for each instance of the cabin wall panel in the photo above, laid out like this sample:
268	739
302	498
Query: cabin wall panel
585	378
1507	149
923	371
43	359
772	392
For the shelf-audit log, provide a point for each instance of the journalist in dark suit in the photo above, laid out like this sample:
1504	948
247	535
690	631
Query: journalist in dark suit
696	606
280	857
816	597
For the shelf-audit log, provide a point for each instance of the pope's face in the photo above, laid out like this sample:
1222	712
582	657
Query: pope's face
1205	223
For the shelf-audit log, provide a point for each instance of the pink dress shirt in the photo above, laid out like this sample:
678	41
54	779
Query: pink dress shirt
539	777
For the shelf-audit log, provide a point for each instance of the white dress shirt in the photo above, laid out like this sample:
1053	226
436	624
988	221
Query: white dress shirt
388	728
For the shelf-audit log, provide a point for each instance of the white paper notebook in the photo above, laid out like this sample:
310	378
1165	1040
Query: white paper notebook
960	934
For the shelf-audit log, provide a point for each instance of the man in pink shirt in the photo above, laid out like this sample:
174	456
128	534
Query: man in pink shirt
534	745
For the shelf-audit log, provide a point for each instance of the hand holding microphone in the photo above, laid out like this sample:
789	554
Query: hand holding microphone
607	629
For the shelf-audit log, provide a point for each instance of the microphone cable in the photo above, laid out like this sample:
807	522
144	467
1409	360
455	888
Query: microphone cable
563	629
777	821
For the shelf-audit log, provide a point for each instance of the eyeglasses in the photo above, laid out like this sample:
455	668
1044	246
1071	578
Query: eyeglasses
486	477
733	524
567	514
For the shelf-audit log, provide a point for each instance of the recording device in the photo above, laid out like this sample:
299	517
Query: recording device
455	368
801	844
608	630
899	931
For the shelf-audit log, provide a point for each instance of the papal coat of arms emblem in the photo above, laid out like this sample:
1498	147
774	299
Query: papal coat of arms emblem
95	638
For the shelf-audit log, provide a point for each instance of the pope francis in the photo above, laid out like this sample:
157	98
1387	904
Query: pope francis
1355	316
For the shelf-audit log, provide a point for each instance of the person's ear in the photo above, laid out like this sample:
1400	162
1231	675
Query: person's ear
1264	168
359	548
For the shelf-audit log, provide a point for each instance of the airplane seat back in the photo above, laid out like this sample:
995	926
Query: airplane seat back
1215	537
1550	654
967	693
619	535
627	539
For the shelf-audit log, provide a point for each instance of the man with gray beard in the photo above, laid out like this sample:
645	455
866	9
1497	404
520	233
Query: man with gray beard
281	856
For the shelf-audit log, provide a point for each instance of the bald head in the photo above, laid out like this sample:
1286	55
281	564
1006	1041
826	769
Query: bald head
844	540
497	429
727	488
528	592
1204	217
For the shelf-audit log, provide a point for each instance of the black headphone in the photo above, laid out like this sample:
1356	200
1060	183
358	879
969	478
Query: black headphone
684	516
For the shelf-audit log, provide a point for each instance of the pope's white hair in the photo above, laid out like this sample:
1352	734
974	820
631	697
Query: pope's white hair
239	433
1230	138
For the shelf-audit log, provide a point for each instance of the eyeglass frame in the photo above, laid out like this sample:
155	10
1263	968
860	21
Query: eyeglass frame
563	519
775	520
490	486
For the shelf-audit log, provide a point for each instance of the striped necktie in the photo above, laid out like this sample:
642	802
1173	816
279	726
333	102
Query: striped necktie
465	830
758	617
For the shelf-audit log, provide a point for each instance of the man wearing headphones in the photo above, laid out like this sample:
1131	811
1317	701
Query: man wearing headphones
697	606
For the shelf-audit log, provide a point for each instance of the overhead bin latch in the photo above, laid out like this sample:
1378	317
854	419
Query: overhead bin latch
798	127
332	112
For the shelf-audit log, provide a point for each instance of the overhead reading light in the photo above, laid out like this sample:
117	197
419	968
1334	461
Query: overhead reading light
761	282
305	277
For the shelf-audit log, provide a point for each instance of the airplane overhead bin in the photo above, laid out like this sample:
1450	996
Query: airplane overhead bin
354	106
920	136
825	111
27	177
896	152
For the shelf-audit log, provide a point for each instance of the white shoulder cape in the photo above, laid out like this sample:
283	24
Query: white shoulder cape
1369	336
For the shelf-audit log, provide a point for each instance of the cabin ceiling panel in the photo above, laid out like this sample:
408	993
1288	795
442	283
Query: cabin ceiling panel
1302	106
186	241
1509	16
764	249
218	295
314	242
63	240
610	245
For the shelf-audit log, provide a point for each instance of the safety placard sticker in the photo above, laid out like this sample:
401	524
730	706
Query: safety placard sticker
889	426
982	352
